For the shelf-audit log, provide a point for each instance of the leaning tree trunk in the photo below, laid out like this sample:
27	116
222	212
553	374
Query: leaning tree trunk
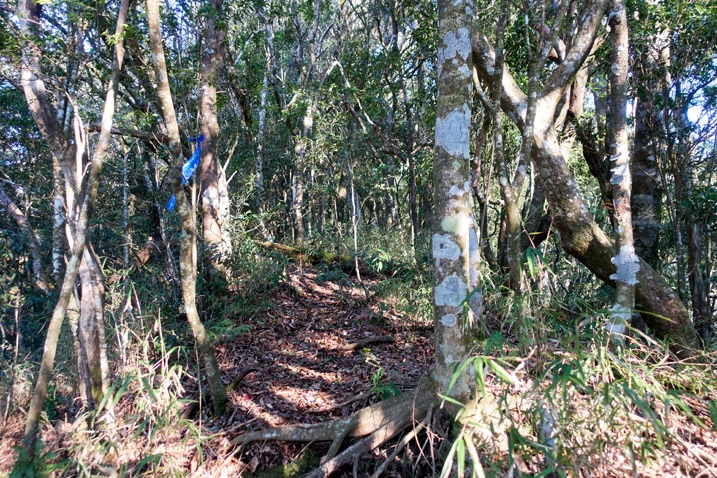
579	234
34	89
187	245
72	160
455	243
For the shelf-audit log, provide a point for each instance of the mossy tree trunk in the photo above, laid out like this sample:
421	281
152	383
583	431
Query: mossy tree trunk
579	234
187	245
454	241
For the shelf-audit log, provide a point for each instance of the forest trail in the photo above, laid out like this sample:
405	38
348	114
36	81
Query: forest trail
305	374
304	366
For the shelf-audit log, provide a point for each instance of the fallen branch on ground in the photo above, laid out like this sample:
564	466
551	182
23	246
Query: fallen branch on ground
359	344
377	423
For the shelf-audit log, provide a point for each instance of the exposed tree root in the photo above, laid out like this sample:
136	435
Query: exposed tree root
377	424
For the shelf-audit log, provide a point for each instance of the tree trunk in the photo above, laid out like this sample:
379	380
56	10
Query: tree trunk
47	123
214	191
455	243
58	223
580	235
626	261
646	191
187	247
33	242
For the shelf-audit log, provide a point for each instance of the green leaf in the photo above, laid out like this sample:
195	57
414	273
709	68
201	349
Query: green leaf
448	463
479	368
475	459
461	455
500	372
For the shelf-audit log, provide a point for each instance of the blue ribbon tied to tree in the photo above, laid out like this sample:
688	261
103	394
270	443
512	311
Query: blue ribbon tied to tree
188	169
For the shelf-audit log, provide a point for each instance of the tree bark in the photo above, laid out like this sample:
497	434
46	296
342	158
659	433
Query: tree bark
33	242
42	111
215	196
579	234
454	242
646	200
187	248
72	161
626	261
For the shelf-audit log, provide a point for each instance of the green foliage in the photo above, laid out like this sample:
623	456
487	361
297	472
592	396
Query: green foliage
383	390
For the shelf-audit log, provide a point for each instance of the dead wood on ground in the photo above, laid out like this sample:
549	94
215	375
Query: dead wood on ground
360	344
375	424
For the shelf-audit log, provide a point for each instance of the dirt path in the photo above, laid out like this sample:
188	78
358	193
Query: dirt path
304	374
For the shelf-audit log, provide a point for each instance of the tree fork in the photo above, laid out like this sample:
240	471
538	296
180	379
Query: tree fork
579	234
188	264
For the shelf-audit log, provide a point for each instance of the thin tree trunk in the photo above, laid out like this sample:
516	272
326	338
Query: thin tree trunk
33	242
187	248
27	11
260	140
213	180
58	223
579	234
626	261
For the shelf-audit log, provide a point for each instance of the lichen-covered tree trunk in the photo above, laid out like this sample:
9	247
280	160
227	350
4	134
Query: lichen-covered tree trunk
187	245
579	234
454	242
626	261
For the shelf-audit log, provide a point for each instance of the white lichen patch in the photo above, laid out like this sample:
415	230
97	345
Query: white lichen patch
620	313
627	264
619	172
453	132
445	248
456	191
451	292
455	43
449	320
465	72
619	317
456	223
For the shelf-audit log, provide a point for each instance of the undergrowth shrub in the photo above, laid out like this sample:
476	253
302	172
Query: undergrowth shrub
589	411
137	429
